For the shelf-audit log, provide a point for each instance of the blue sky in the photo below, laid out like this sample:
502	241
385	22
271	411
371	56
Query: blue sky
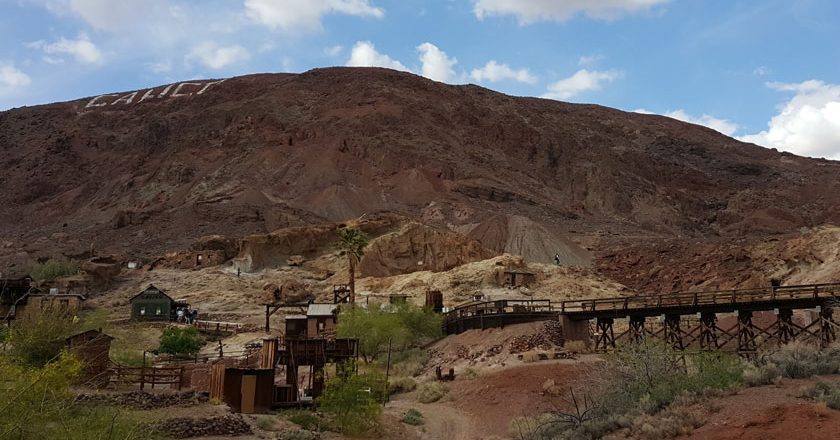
766	71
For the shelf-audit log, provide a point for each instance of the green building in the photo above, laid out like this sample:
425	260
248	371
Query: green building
154	304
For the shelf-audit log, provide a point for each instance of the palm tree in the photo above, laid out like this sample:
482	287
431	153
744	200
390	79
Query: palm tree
352	242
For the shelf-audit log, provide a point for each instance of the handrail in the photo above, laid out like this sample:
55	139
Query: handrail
716	297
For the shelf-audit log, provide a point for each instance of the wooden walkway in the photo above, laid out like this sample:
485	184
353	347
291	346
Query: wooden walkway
500	313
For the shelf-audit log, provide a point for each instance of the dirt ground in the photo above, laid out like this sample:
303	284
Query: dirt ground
770	412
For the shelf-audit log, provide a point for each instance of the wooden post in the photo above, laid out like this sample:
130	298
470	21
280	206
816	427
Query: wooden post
153	377
387	374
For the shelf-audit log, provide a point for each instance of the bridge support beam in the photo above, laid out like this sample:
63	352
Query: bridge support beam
673	332
576	330
746	334
785	328
605	338
708	331
637	329
827	334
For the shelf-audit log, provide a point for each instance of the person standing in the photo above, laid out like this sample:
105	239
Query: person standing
557	259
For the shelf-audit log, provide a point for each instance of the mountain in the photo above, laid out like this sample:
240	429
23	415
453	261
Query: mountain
141	172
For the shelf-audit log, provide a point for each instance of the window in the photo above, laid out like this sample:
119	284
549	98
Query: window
142	310
158	311
321	325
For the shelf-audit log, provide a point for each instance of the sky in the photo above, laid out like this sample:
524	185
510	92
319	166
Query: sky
763	71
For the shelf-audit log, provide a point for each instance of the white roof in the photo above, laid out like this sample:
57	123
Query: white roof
321	309
295	317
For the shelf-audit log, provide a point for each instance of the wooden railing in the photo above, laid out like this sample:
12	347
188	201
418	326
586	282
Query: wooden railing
499	307
147	376
219	326
704	298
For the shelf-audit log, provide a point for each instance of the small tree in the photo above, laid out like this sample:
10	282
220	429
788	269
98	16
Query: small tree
352	242
176	340
353	401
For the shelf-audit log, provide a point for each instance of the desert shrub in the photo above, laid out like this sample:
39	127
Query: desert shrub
405	326
530	356
824	392
429	392
307	420
576	347
714	371
53	269
266	423
407	363
800	360
37	403
175	340
353	402
413	417
401	385
469	373
38	340
299	434
765	374
671	422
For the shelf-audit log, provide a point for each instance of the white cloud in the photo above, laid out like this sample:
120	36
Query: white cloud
589	60
305	14
11	77
216	57
333	51
82	49
582	81
722	125
436	64
808	124
495	72
107	15
530	11
364	54
762	71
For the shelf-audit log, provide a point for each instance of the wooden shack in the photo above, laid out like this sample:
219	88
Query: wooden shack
93	349
518	278
36	304
248	390
321	320
296	326
153	304
434	300
11	292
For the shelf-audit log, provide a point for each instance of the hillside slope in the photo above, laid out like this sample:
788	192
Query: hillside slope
144	172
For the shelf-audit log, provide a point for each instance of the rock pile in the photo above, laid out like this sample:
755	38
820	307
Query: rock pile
523	343
186	427
144	400
553	331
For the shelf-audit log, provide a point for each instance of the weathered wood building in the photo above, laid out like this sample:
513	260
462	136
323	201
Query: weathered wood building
92	348
153	304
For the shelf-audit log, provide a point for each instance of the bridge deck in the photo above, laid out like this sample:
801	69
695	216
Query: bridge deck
686	303
499	313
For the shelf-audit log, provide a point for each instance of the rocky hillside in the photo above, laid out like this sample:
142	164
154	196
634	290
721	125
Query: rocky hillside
148	171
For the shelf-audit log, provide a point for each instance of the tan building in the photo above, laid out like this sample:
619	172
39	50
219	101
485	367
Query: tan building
34	305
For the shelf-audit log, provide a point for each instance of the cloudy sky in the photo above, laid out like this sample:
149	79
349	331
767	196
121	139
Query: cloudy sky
765	71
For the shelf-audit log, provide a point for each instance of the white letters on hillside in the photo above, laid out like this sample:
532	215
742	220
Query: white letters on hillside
180	89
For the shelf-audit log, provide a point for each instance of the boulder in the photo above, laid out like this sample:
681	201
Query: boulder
416	247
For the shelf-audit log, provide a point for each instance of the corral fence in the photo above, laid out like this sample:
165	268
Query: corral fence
147	376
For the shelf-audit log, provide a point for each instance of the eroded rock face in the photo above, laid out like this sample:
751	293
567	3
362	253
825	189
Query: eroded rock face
287	292
228	246
417	247
101	270
279	247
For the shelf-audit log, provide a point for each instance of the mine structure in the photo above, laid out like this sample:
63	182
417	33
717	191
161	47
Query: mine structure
744	336
814	303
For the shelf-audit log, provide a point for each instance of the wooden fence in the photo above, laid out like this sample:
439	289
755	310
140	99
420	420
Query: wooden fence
148	376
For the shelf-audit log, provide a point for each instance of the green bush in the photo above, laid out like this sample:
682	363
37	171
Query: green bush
353	401
307	420
40	339
401	385
176	340
798	360
37	403
413	417
824	392
405	326
429	392
765	374
53	269
299	434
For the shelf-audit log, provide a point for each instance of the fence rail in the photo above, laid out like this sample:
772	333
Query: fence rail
733	297
147	376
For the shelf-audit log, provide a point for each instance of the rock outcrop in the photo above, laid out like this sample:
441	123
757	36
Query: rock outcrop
417	247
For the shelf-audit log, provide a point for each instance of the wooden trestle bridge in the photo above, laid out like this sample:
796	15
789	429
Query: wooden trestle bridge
684	319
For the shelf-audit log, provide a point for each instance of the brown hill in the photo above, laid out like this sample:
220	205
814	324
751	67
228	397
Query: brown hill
148	171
